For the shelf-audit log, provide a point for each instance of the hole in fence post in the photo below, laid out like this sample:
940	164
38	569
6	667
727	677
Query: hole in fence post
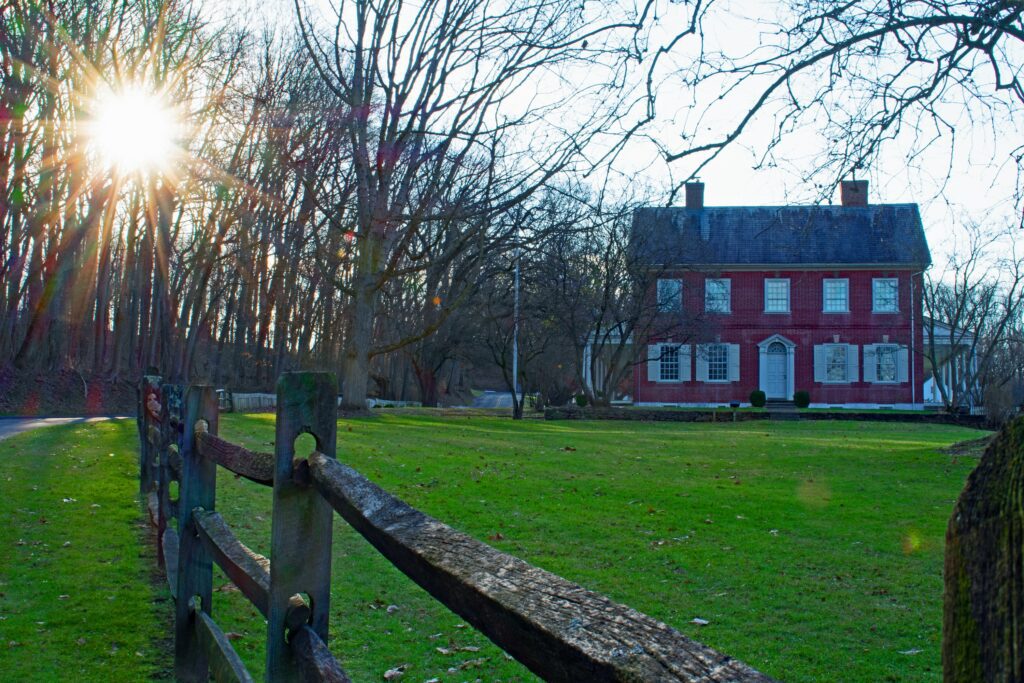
304	446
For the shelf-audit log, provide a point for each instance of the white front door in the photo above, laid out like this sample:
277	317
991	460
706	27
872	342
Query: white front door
778	365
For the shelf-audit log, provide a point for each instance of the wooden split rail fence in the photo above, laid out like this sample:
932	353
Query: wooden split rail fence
561	631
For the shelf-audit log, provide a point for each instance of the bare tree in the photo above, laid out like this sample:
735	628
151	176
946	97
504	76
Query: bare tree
861	73
974	309
449	117
601	283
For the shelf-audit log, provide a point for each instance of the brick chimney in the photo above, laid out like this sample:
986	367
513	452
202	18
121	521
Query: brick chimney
854	192
694	195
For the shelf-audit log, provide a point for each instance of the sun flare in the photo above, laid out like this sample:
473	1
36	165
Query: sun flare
133	130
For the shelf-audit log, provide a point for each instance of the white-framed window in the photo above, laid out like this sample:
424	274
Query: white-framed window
669	367
885	295
887	363
668	362
718	362
717	295
776	295
836	363
670	295
835	295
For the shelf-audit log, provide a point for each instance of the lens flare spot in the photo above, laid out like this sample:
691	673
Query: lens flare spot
912	542
813	493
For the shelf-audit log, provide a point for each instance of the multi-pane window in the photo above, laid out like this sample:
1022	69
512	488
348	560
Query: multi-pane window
836	295
886	357
836	358
884	295
670	295
669	363
717	295
776	295
718	362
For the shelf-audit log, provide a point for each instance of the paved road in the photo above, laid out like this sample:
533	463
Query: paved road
493	399
9	426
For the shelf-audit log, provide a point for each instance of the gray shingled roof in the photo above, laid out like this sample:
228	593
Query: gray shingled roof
889	234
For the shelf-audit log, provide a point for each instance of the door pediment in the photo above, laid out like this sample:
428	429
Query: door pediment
763	345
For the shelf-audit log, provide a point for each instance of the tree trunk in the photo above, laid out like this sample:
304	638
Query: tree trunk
983	616
357	351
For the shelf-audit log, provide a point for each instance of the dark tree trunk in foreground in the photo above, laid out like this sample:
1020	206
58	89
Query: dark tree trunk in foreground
983	620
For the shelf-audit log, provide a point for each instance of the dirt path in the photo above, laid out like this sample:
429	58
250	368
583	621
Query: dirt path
9	426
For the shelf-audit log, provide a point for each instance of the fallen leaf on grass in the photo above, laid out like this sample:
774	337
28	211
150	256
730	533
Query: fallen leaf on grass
395	673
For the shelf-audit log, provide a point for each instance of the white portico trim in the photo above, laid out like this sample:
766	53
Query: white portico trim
772	365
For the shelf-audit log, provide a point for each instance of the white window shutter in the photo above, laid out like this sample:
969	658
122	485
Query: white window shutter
870	364
684	362
819	363
734	362
903	364
702	363
852	363
653	362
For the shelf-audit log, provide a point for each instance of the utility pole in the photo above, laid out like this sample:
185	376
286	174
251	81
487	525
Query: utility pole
515	329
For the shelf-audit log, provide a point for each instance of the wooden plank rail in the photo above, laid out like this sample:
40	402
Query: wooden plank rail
315	661
254	466
225	664
249	571
558	629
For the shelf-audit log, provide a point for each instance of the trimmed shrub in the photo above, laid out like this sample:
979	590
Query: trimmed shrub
802	399
581	400
758	398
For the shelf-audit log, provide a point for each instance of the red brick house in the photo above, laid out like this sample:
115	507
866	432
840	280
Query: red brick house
825	299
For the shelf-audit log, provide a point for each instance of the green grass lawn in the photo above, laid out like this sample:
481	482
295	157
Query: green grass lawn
814	550
77	601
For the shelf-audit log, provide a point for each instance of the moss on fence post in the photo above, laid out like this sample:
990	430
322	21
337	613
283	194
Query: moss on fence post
983	620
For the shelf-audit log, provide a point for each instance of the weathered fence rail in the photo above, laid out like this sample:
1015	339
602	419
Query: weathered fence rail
558	629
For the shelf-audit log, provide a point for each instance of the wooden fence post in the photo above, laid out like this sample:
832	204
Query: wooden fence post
983	610
197	489
170	407
300	545
149	389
